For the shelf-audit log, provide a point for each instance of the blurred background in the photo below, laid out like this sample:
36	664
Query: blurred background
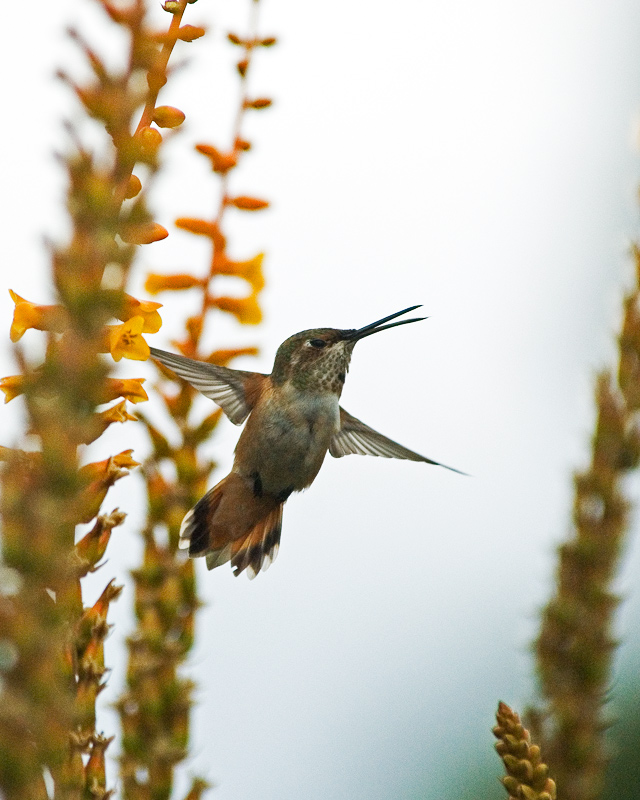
480	159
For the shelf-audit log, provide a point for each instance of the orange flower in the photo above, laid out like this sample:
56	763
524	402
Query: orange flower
144	233
250	270
146	309
201	227
126	340
103	419
91	625
99	476
163	283
245	309
220	162
110	468
221	358
129	388
93	544
12	386
30	315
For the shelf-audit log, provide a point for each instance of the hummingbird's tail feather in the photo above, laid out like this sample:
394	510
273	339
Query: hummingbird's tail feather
234	523
195	528
258	550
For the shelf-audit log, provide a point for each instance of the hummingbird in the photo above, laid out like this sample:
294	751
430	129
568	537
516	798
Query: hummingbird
293	420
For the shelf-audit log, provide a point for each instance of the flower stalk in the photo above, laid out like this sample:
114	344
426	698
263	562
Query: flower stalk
575	647
155	706
54	667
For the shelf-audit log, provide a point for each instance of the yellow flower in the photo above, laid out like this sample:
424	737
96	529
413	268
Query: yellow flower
31	315
146	309
117	413
12	386
126	340
245	309
129	388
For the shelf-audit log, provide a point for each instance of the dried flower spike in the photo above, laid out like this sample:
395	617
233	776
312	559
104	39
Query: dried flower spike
527	776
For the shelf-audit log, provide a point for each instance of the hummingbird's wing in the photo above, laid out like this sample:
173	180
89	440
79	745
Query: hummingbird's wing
234	390
356	438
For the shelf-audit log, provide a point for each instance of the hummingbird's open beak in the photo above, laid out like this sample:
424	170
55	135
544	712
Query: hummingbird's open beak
376	327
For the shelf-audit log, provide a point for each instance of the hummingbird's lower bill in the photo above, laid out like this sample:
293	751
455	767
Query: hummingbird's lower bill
293	419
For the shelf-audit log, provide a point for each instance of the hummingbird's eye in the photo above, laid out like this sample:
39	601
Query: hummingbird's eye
319	343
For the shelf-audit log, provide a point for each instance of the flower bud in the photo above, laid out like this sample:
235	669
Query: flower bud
149	140
187	33
246	203
168	117
156	79
220	162
145	233
259	102
198	226
133	187
162	283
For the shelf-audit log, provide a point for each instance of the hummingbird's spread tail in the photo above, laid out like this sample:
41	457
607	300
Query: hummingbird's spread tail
234	522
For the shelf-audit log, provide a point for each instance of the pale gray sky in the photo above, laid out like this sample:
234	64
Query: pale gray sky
481	159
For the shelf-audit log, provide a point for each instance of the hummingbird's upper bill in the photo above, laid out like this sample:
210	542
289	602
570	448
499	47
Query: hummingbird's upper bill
376	327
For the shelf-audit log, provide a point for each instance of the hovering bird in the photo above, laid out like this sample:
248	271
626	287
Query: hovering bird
293	419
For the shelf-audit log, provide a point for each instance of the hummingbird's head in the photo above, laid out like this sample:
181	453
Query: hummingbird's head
318	359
